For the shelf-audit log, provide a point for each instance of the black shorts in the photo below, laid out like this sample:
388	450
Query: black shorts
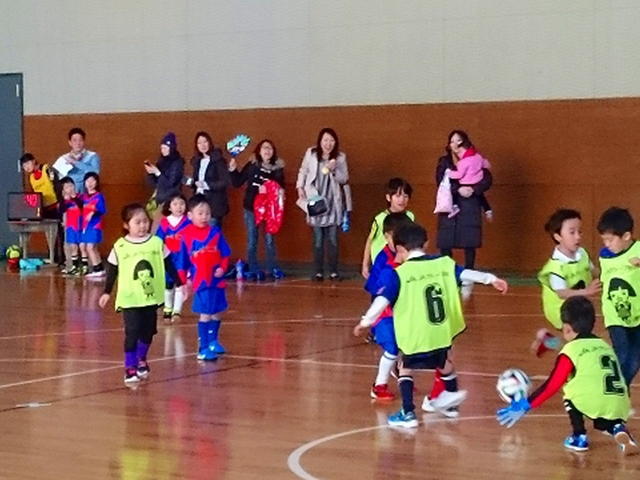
141	322
427	360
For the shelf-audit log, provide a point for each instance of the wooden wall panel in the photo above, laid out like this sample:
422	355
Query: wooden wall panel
544	155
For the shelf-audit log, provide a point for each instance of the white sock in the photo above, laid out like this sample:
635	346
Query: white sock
168	299
387	362
178	301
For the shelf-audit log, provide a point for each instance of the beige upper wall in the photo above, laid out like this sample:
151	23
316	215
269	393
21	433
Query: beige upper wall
150	55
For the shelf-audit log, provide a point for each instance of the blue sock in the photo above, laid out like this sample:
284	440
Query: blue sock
406	390
203	335
130	360
214	328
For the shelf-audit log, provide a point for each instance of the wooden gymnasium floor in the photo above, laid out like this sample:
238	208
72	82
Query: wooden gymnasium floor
290	400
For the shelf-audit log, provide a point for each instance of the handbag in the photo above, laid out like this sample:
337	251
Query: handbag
444	198
316	205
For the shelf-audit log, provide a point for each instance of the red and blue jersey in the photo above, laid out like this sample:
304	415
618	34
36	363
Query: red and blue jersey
385	260
170	235
202	251
72	209
93	203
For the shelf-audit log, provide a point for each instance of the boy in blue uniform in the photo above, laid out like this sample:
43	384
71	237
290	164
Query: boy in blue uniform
204	254
427	316
383	328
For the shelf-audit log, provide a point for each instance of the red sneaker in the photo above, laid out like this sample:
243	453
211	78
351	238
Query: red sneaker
382	392
544	342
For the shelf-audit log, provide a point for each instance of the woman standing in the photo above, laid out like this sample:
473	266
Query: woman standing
463	230
211	176
322	174
263	166
166	176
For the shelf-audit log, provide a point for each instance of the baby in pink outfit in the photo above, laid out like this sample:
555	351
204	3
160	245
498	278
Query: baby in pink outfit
468	172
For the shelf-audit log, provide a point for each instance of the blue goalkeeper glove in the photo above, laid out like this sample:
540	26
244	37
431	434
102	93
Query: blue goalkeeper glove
510	415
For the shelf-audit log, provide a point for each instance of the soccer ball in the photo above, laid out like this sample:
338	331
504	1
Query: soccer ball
13	252
513	384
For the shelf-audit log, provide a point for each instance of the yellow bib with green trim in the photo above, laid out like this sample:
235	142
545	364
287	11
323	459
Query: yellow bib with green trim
141	276
377	233
597	387
621	289
428	313
576	274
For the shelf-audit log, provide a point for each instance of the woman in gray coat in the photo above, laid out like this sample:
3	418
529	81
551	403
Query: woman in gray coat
323	173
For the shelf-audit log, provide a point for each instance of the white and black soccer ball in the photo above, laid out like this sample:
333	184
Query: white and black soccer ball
513	385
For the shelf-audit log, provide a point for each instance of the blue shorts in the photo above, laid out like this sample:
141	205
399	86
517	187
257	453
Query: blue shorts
72	236
209	301
92	235
385	335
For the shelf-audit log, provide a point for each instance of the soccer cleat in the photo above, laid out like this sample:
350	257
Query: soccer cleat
577	443
143	370
544	342
402	419
382	392
277	274
625	441
216	347
447	400
451	412
131	376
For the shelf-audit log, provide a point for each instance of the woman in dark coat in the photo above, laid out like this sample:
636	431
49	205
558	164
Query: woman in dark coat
211	176
166	175
463	230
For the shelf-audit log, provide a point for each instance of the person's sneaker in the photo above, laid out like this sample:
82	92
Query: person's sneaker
625	441
544	342
216	347
260	276
489	215
131	376
201	354
210	356
96	274
83	270
318	277
402	419
447	400
335	277
73	270
143	370
577	443
249	276
166	316
382	392
277	274
451	412
176	317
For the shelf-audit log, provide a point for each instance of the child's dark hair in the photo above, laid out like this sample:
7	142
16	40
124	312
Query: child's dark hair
93	175
141	266
578	312
410	236
398	184
557	219
394	221
77	131
197	199
128	211
616	221
66	180
166	207
27	157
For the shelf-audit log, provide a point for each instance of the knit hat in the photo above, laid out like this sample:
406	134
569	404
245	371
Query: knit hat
169	140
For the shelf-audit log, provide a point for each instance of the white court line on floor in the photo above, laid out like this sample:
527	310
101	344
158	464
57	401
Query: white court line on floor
293	462
59	360
84	372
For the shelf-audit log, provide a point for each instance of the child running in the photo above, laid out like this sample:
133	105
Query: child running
173	222
138	260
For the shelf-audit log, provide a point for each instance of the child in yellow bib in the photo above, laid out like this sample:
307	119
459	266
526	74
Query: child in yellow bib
620	276
588	369
568	273
139	261
398	195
